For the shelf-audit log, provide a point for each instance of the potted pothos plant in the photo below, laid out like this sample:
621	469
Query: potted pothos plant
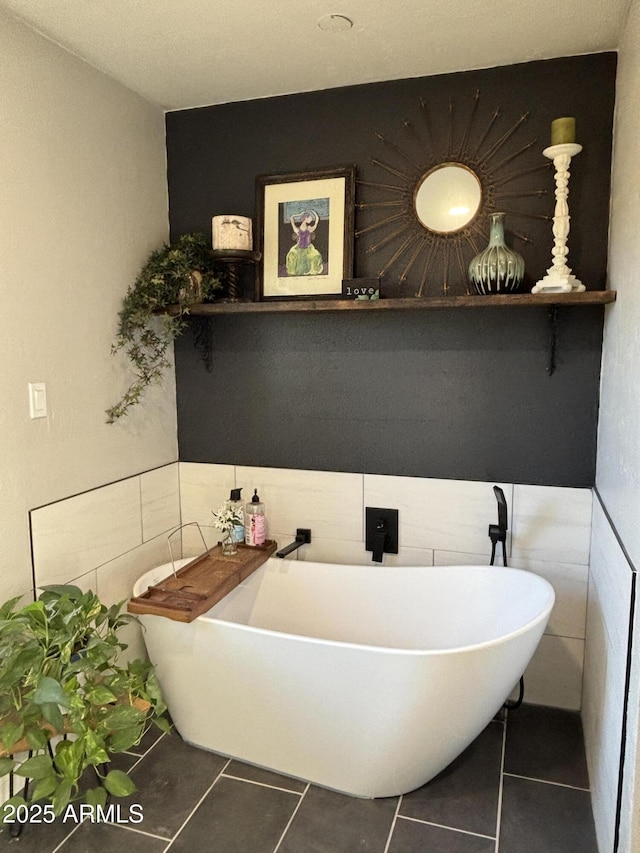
175	276
59	675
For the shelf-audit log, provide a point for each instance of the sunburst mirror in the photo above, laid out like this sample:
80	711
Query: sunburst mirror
447	198
430	213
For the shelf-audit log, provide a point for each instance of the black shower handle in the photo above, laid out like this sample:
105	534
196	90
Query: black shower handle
502	508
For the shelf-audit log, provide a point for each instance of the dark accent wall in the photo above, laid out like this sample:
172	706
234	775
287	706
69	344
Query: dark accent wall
454	394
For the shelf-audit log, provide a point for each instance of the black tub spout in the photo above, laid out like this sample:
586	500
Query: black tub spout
303	537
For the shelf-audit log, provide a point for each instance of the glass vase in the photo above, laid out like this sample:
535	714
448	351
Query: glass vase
229	543
498	269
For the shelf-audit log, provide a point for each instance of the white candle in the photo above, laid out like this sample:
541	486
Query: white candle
230	231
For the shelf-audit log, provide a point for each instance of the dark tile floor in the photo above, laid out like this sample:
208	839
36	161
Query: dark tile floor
521	787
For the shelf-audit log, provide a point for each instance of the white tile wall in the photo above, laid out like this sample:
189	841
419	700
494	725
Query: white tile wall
204	488
192	540
551	523
160	496
327	502
121	530
554	676
448	515
570	583
73	536
115	579
78	534
605	670
86	582
354	554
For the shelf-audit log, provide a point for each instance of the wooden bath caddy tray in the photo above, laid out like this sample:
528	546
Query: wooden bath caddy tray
196	587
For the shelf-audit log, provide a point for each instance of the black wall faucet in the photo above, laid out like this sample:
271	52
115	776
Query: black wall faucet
381	532
379	540
303	537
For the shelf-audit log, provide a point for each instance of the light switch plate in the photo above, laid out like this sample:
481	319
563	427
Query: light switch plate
37	400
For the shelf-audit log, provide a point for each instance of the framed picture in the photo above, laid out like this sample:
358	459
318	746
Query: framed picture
304	227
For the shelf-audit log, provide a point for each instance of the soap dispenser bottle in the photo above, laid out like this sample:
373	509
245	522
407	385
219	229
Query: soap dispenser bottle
255	521
235	502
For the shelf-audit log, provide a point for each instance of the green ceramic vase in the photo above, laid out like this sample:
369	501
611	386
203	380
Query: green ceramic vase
498	269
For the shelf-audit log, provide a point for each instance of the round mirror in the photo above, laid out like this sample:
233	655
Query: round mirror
447	198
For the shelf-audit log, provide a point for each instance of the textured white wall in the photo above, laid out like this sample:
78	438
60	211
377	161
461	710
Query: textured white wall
618	470
618	467
83	200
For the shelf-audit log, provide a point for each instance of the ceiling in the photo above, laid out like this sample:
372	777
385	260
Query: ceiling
198	52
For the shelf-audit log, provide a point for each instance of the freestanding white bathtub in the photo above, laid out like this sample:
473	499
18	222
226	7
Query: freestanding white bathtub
365	679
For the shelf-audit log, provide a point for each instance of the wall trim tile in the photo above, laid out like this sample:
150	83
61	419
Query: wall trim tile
614	530
629	711
101	486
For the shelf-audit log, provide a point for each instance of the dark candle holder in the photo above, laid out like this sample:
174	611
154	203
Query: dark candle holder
234	259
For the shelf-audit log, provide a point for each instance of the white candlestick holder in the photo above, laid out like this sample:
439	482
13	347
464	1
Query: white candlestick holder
559	278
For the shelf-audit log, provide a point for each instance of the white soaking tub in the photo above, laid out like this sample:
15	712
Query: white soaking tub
365	679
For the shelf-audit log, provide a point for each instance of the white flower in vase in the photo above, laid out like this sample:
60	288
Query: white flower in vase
226	518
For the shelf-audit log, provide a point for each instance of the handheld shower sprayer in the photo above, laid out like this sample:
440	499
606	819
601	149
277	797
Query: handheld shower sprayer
498	532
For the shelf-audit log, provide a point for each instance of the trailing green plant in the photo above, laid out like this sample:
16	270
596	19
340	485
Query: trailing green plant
59	675
176	275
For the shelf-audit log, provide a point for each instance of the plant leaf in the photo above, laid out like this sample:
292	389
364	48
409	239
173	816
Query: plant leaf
30	657
68	758
44	787
95	752
6	766
49	690
10	734
100	695
16	801
72	592
125	738
153	688
163	724
96	796
8	606
119	783
37	738
61	797
122	717
37	767
51	713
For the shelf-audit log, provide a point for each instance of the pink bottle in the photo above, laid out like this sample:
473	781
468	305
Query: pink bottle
255	523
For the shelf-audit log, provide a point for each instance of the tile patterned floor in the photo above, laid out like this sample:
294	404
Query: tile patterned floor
521	787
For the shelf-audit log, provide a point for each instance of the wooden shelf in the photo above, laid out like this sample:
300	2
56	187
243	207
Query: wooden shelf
516	300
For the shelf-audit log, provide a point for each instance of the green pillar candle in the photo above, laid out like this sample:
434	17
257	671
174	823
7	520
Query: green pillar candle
563	130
